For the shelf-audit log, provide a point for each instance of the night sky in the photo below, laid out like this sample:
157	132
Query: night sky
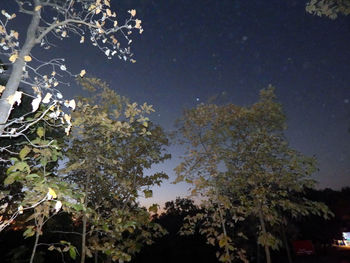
195	50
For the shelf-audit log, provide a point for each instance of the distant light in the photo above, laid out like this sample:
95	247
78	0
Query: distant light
346	236
346	101
197	99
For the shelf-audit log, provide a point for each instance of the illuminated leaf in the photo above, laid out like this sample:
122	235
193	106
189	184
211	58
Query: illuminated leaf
27	58
14	34
37	8
132	12
70	104
36	89
137	23
92	7
72	252
36	103
67	118
13	57
67	129
2	88
51	194
47	98
15	98
82	73
58	206
7	15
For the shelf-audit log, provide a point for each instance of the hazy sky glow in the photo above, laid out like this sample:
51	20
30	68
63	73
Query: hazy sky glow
192	50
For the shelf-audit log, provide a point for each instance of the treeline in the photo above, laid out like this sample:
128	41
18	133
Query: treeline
176	247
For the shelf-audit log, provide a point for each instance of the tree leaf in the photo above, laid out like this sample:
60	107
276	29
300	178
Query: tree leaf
27	58
50	248
10	179
29	232
36	103
153	208
15	98
47	98
31	176
82	73
40	132
72	252
148	193
24	152
51	194
13	57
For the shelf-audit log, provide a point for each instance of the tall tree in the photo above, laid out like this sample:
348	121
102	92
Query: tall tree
239	159
52	20
112	144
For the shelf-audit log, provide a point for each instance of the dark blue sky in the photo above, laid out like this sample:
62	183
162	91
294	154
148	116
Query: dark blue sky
193	50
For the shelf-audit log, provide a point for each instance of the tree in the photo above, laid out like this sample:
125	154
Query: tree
31	192
53	20
28	169
112	144
328	8
240	161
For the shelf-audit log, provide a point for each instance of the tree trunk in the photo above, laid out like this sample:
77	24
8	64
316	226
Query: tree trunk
83	236
96	257
263	229
227	252
17	70
286	244
37	235
258	252
83	239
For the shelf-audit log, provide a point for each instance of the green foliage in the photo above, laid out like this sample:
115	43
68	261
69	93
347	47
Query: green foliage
32	190
239	159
